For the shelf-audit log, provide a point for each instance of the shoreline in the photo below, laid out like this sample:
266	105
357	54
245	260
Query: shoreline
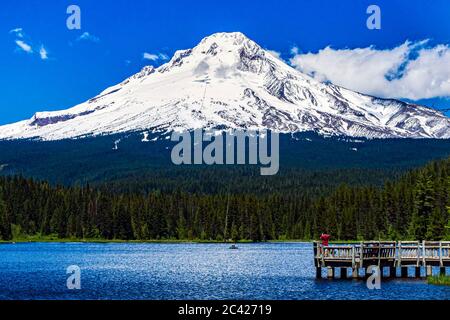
166	241
21	241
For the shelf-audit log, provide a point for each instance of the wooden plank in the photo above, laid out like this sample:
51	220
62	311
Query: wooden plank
418	257
379	256
361	259
429	271
424	260
353	257
355	273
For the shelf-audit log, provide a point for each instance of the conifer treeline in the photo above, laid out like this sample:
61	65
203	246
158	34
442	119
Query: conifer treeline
414	207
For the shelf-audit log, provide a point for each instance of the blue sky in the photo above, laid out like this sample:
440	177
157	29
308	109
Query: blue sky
63	68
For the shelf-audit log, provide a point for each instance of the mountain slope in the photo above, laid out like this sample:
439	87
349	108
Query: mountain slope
228	81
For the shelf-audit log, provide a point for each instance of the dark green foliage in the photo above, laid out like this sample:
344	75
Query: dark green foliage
5	223
448	208
144	167
423	206
413	206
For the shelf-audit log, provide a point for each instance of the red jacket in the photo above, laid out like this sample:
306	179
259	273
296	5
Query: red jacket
325	238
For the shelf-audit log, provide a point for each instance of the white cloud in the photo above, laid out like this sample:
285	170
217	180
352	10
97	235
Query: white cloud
43	53
24	46
155	57
411	70
86	36
150	56
17	31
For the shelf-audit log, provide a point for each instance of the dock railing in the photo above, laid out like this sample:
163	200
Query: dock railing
391	254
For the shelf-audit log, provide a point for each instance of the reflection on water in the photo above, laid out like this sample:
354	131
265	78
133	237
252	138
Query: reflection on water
184	271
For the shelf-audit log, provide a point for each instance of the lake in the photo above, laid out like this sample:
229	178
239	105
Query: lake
184	271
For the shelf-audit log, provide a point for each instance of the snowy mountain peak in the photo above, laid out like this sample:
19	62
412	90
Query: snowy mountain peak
224	41
219	51
229	81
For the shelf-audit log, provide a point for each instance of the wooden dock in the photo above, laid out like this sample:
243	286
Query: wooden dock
423	257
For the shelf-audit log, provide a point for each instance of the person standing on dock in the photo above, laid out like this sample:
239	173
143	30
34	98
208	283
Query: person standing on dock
325	239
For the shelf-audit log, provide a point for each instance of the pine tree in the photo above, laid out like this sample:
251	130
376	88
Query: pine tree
448	208
234	233
436	225
5	223
423	207
181	226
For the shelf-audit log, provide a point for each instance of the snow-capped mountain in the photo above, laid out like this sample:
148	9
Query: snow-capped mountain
228	81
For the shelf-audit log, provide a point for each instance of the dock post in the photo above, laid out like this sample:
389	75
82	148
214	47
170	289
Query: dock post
344	273
404	272
442	271
366	273
330	272
429	271
417	272
318	273
316	260
355	273
392	272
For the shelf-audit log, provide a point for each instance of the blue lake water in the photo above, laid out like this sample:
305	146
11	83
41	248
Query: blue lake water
184	271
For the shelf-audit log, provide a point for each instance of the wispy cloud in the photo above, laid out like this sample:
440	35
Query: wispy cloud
155	56
43	53
18	32
86	36
150	56
412	70
24	46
